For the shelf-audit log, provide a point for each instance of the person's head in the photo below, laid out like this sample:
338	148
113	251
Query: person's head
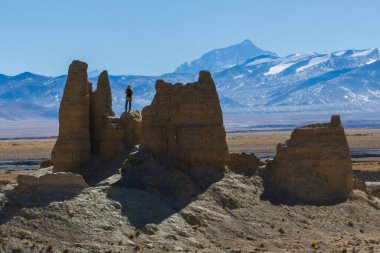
129	86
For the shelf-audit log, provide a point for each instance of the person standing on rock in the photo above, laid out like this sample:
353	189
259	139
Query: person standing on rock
128	93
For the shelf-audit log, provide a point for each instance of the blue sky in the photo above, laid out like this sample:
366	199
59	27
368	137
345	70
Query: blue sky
152	37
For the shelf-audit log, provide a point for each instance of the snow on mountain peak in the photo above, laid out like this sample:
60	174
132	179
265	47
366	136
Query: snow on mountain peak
278	68
314	61
366	52
339	53
247	78
259	60
222	58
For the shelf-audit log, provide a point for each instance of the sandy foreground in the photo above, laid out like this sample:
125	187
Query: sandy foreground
232	215
363	141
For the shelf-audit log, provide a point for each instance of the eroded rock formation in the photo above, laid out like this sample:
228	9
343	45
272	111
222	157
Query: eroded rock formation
87	124
373	188
107	132
112	138
186	123
49	182
314	165
72	151
245	164
132	122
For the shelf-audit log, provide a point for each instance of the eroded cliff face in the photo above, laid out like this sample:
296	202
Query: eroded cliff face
87	124
107	132
186	122
314	165
132	122
72	151
243	163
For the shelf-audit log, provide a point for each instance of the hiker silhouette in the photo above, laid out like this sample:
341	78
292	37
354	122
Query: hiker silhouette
128	93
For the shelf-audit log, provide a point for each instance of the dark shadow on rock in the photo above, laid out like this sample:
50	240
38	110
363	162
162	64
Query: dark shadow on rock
16	201
140	206
101	170
173	183
277	196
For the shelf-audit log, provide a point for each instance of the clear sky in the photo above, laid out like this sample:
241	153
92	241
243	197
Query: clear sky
153	37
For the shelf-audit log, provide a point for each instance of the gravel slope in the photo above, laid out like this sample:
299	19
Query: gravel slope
230	216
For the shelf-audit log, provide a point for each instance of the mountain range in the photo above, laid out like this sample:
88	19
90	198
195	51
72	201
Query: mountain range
248	79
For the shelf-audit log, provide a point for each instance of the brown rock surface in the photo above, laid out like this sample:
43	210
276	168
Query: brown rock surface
107	132
185	122
373	188
245	164
229	216
50	181
72	151
112	134
88	126
132	123
314	165
46	163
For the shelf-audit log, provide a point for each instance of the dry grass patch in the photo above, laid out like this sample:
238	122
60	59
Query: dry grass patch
367	165
251	142
26	149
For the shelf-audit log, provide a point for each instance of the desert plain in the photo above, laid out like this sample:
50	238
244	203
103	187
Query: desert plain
364	146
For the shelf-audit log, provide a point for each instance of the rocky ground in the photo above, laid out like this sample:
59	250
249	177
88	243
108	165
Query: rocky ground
232	215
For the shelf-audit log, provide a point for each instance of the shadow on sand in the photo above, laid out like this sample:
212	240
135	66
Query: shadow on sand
277	196
153	188
16	201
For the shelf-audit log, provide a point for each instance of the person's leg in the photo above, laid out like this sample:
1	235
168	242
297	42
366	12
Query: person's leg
126	105
130	105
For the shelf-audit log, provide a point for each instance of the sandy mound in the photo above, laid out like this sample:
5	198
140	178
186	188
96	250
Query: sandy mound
229	216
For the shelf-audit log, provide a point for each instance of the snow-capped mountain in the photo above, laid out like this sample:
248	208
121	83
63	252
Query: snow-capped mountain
248	79
218	59
348	80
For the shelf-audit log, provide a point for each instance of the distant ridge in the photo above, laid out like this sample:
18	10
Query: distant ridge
343	81
221	58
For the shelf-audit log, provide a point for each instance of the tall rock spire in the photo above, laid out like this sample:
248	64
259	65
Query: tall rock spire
101	99
72	151
107	132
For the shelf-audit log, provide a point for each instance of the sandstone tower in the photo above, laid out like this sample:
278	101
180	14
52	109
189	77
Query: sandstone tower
313	166
107	132
87	124
186	122
72	151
